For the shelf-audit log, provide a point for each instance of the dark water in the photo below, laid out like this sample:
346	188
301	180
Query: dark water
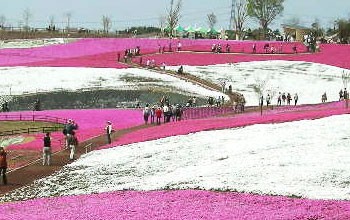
95	99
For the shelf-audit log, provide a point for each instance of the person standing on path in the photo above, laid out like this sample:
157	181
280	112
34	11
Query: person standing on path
109	130
47	149
3	165
72	144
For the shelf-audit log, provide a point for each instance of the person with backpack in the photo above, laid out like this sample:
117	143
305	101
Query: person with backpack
3	165
72	144
47	149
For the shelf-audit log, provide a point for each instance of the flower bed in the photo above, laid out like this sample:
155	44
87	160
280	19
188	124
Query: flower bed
186	204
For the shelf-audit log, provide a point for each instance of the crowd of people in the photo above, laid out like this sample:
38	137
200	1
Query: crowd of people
163	110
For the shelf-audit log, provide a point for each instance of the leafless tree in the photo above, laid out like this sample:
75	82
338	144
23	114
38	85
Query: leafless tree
212	20
174	16
2	21
52	21
107	23
27	15
68	16
162	23
259	88
240	15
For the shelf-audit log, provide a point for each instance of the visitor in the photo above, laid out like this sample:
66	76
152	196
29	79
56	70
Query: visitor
228	48
268	100
341	97
284	97
72	144
47	149
324	97
158	113
179	45
109	130
146	113
254	48
3	165
152	113
180	70
296	99
279	99
289	98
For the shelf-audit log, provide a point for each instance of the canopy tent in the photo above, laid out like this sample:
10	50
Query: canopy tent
201	30
190	29
179	29
212	31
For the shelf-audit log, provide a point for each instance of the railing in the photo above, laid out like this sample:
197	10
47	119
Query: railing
205	112
88	148
30	117
31	130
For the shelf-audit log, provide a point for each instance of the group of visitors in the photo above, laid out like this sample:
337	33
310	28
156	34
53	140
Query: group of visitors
283	99
163	49
219	101
343	94
238	105
70	137
156	112
5	107
129	53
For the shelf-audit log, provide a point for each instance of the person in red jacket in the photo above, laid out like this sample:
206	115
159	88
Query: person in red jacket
158	115
3	165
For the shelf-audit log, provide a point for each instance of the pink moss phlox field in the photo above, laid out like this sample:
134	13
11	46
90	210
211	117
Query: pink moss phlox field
91	123
278	115
331	54
181	204
103	53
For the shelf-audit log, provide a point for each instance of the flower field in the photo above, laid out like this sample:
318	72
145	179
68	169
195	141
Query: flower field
288	163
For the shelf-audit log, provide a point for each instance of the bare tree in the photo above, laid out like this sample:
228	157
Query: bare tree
259	88
68	16
162	23
174	16
107	23
27	15
51	21
2	21
240	15
212	20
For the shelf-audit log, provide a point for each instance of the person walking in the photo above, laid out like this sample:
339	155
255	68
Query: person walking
47	149
296	99
72	143
109	130
3	165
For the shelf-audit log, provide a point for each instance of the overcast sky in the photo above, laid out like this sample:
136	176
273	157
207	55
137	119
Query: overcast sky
126	13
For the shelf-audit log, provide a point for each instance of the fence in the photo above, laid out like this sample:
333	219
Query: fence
28	117
205	112
31	130
31	117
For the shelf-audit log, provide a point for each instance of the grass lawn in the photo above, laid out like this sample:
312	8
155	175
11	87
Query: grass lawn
24	125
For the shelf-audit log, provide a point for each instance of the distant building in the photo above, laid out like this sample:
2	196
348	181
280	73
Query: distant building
297	32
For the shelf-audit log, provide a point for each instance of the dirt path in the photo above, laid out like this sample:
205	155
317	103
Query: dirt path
35	170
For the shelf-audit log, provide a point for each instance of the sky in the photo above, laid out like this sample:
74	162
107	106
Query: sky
127	13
